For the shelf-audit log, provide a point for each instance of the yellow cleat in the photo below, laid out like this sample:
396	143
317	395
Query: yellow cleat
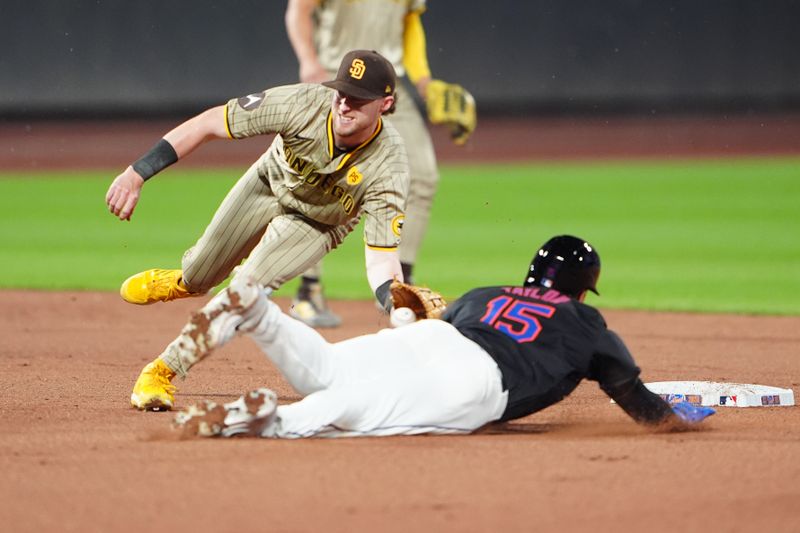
156	285
153	390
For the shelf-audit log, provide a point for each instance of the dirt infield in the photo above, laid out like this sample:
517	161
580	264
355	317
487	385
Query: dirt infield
75	457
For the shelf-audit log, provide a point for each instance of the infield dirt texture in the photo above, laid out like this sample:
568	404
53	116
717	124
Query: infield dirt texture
75	457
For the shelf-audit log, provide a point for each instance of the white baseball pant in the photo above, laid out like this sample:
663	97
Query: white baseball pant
421	378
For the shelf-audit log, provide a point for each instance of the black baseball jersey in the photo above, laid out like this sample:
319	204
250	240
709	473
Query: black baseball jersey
544	343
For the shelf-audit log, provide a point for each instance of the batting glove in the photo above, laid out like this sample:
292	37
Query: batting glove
691	414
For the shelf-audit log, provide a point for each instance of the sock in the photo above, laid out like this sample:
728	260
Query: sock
181	354
304	291
407	268
172	360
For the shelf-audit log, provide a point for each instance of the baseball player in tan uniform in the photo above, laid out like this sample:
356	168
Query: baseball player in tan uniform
333	160
320	33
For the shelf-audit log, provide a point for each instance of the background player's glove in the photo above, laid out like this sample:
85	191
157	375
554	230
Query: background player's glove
452	105
424	302
690	413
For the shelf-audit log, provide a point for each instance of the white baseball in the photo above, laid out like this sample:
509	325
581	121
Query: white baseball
402	316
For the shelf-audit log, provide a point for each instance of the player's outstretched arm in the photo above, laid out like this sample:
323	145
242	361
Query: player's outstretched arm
207	126
123	194
383	266
648	408
639	403
125	190
613	367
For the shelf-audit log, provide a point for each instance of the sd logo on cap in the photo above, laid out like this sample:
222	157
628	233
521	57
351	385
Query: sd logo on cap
364	74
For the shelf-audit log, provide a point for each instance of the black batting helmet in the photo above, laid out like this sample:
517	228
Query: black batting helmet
567	264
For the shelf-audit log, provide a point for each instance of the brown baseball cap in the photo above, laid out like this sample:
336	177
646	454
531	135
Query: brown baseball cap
364	74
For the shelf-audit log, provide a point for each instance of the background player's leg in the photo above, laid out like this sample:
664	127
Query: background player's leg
310	305
424	177
236	228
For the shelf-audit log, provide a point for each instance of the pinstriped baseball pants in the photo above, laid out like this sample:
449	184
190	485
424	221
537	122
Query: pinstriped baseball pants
250	223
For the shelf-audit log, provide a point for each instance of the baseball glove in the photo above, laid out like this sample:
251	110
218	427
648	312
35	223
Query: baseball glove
452	105
423	301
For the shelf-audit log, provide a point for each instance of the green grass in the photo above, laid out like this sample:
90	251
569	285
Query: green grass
706	235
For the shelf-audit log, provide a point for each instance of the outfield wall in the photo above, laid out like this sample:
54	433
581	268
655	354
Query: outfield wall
100	57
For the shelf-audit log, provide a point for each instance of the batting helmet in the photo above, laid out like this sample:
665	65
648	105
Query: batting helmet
567	264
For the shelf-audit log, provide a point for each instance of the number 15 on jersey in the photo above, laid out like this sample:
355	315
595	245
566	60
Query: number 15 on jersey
516	318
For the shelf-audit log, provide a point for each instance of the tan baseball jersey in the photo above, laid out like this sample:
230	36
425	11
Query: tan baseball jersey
344	25
309	176
302	197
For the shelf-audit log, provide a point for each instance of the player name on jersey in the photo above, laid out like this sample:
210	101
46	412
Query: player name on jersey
546	295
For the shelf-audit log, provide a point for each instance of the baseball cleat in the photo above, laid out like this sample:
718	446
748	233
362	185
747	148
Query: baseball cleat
252	415
311	308
153	390
155	285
